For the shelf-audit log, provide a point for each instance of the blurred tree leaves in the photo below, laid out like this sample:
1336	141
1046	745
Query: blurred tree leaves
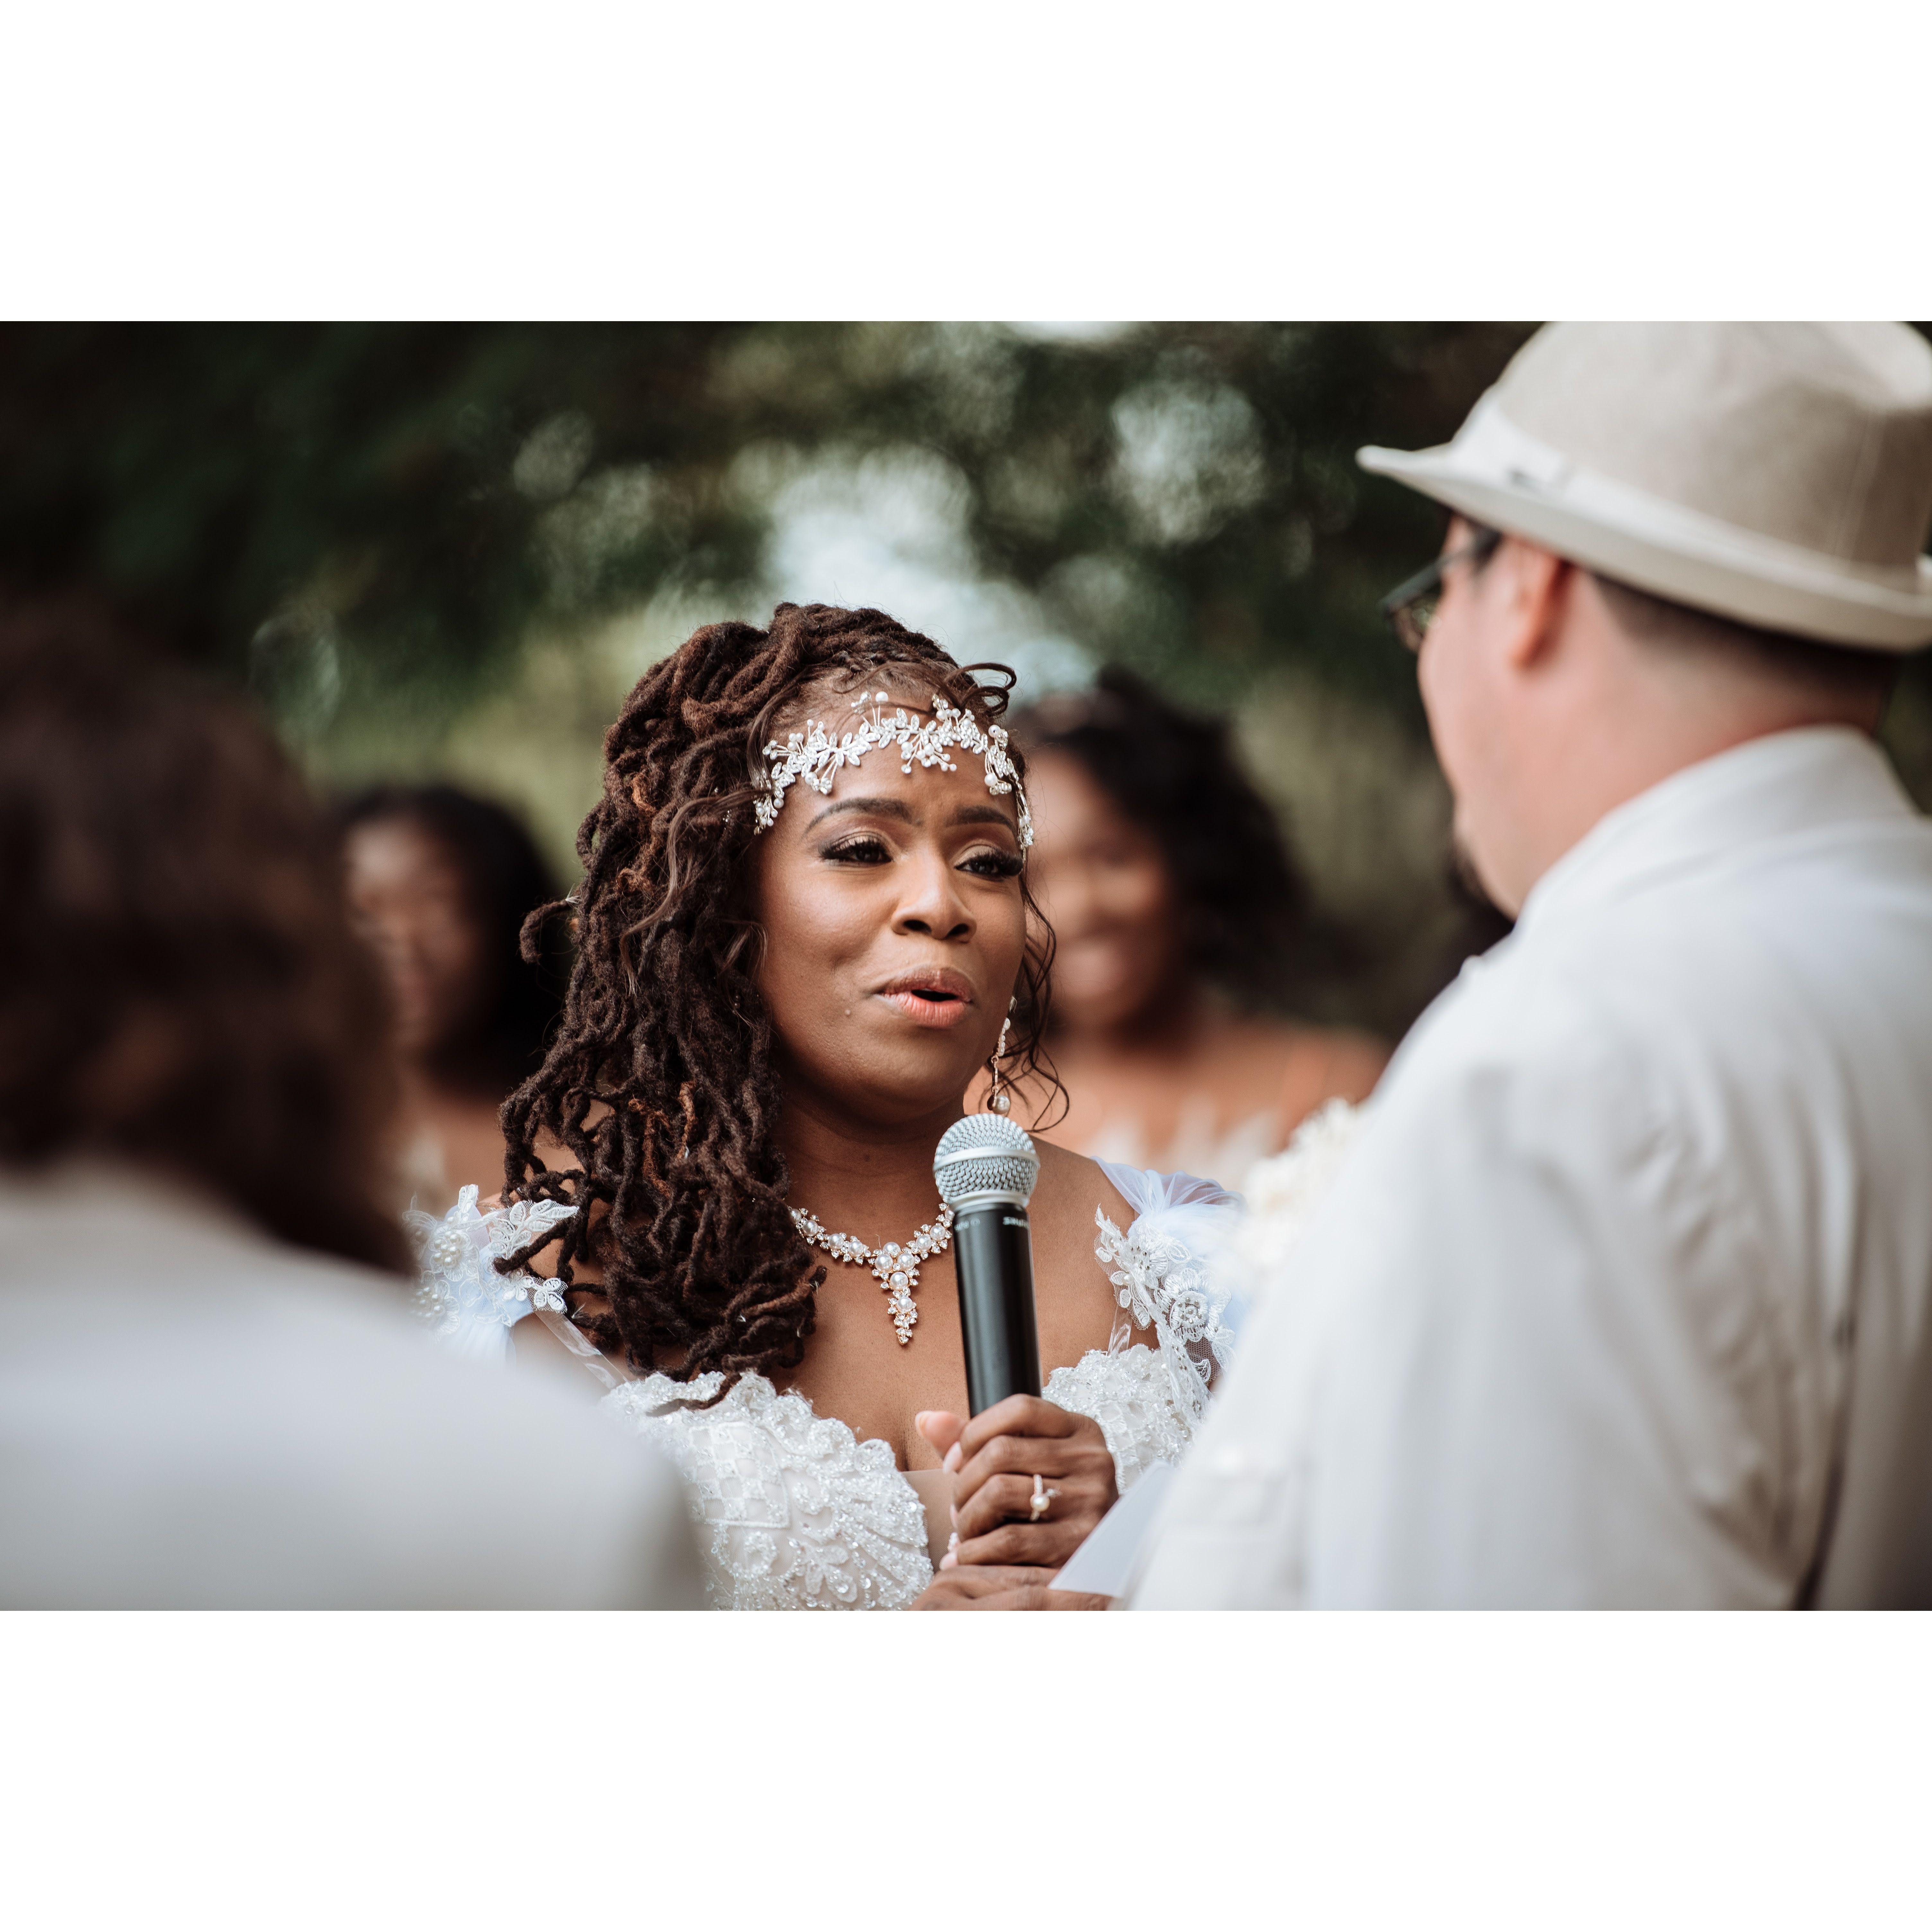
412	540
351	518
336	511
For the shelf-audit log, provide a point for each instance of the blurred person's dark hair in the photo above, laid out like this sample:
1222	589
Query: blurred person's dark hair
182	990
1250	926
505	879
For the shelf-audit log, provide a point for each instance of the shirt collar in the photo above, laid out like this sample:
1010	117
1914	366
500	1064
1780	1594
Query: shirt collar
1789	781
39	1207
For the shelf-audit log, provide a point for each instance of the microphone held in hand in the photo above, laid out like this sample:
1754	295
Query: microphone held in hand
985	1167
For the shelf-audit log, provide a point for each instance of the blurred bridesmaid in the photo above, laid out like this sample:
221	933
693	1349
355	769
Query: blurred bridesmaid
1183	935
439	884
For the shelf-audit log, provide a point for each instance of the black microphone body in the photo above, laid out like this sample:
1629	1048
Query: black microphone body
985	1167
992	1250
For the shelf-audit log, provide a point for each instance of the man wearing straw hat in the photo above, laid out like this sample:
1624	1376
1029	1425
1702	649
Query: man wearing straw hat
1625	1295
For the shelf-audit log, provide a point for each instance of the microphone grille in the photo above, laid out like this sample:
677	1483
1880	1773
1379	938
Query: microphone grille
985	1154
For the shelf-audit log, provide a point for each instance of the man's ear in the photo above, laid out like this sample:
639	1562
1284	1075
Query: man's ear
1532	588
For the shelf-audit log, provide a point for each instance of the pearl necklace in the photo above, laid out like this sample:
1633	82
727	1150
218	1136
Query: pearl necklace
896	1264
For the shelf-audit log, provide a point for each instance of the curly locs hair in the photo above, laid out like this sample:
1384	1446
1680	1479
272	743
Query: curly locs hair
659	1079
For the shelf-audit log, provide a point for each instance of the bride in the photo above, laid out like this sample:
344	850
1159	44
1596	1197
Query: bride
804	929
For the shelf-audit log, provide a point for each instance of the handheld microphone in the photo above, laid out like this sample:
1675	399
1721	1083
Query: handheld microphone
986	1167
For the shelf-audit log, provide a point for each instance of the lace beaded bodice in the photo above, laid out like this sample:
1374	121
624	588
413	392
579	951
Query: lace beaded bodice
794	1512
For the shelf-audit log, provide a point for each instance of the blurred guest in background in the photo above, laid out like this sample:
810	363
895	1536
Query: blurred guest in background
212	1393
1182	934
440	884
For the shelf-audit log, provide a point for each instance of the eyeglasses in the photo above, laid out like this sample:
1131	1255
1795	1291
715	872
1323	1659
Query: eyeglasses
1411	607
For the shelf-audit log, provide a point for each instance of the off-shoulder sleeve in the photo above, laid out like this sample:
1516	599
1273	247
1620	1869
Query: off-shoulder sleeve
1185	1267
1147	1192
460	1292
1148	1399
1163	1273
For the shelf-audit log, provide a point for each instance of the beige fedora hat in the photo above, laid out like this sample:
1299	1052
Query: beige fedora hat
1779	473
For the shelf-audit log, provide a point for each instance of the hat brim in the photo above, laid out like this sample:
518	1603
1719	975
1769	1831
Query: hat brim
1643	541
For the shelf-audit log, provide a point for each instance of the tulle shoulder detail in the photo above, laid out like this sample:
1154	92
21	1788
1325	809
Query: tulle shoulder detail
460	1292
1147	1191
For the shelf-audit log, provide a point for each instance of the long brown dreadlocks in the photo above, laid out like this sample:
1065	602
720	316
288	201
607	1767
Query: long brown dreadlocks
659	1079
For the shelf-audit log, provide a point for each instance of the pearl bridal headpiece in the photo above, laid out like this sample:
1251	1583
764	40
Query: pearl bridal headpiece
813	755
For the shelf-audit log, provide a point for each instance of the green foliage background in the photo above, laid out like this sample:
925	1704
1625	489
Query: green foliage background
450	548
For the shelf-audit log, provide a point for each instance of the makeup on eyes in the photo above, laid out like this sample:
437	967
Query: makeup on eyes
867	849
999	864
852	851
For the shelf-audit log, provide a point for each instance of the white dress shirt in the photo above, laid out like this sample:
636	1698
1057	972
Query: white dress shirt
1625	1294
194	1416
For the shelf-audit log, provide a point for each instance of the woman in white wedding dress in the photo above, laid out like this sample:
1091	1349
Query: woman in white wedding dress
803	930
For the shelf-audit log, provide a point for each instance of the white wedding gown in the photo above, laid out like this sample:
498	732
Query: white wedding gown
793	1511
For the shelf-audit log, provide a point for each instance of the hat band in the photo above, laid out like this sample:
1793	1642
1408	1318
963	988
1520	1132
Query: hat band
1491	454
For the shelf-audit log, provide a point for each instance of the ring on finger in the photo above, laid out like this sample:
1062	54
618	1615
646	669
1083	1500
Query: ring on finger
1041	1500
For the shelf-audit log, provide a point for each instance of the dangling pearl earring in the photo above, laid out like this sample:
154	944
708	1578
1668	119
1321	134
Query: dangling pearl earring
998	1102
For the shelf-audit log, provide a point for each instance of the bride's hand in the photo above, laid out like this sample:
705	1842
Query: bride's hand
994	1458
991	1587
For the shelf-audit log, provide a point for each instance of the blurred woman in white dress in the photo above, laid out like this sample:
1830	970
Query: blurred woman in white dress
1183	937
440	883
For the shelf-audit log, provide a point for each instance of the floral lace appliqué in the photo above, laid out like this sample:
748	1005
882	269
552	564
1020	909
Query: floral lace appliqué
1161	1282
1130	1392
461	1294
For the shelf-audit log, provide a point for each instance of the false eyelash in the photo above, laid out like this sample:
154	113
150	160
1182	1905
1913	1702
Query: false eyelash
855	848
983	865
998	865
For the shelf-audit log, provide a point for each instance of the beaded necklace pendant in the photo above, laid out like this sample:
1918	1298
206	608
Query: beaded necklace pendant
896	1264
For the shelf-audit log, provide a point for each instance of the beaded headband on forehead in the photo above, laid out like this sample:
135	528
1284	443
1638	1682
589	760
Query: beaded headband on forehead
813	755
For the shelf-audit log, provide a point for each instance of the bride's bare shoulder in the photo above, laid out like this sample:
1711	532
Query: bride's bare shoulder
1073	1296
1071	1187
